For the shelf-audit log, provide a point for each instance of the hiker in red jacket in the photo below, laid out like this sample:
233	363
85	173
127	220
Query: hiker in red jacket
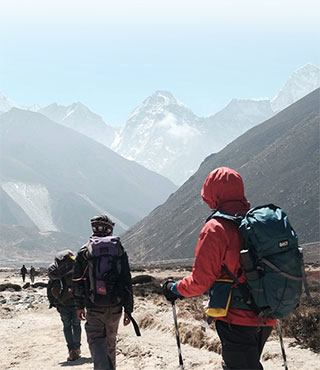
242	333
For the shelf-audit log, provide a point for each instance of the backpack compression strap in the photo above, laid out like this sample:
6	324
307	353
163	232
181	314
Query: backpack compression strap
244	291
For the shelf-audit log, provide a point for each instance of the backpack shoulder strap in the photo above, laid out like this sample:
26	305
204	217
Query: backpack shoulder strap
221	214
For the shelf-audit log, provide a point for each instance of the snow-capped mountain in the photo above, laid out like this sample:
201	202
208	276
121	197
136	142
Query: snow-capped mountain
301	83
162	134
6	104
165	136
80	118
76	116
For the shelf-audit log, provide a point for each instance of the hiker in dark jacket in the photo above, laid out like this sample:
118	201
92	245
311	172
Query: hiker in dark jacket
32	274
23	272
59	292
242	333
100	299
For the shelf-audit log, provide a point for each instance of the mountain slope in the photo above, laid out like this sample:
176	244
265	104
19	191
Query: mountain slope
78	117
279	162
235	119
22	245
59	178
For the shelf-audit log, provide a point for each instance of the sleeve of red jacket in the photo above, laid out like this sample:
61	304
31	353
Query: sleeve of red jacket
209	254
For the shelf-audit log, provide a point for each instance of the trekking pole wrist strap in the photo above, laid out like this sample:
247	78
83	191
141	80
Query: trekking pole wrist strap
135	325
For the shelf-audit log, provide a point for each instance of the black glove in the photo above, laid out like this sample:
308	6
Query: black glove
168	292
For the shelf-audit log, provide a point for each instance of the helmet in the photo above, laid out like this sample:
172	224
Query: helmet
102	225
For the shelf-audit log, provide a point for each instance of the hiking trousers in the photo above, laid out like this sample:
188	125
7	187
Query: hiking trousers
102	328
242	345
71	326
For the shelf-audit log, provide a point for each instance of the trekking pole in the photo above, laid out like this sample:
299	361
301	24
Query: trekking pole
177	334
282	346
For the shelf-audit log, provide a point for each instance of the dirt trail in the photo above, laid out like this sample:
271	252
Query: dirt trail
31	339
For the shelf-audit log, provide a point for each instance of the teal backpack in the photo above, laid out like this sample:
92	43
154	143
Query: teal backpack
271	260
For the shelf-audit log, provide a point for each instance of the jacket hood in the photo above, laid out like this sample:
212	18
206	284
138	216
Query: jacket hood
223	190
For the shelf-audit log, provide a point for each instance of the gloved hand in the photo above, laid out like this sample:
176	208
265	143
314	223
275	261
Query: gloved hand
168	292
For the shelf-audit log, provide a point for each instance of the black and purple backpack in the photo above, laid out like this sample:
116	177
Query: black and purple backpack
104	268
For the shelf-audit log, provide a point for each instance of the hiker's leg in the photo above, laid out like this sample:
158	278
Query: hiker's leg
97	340
76	329
66	318
240	346
112	324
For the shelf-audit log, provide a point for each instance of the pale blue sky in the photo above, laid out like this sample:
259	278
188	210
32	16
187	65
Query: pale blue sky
111	55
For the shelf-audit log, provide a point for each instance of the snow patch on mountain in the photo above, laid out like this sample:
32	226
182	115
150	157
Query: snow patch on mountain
35	200
302	82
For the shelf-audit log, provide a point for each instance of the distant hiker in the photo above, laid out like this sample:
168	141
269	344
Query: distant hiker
242	333
32	274
102	285
23	272
59	292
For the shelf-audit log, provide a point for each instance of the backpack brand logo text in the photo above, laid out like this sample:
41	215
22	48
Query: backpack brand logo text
283	244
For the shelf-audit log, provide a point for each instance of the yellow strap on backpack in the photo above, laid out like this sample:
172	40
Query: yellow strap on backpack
220	297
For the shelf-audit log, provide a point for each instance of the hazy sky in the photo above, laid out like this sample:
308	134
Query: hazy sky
111	55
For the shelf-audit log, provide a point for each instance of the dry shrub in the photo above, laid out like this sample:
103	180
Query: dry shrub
196	337
304	324
9	286
270	356
147	322
274	334
305	328
194	307
147	289
160	302
191	335
214	345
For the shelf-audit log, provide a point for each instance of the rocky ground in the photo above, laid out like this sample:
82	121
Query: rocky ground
31	335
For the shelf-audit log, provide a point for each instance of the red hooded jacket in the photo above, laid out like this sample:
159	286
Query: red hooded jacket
220	243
